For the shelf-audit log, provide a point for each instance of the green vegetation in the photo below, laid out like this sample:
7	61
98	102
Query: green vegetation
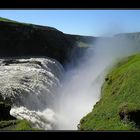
119	106
7	20
23	125
5	124
12	21
15	125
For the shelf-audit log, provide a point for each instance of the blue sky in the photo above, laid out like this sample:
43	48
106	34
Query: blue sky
83	22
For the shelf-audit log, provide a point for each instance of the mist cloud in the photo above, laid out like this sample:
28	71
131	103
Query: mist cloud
81	88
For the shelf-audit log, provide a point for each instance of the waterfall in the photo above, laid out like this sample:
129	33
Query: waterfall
51	98
29	85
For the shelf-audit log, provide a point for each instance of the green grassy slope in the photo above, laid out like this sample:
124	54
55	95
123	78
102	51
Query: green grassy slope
12	21
15	125
119	106
6	20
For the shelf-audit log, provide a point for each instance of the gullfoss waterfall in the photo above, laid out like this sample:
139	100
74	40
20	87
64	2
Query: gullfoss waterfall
50	98
31	85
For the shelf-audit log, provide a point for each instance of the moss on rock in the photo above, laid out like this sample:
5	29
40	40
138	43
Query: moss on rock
19	125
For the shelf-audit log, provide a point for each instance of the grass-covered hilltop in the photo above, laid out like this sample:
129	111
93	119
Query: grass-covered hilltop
119	106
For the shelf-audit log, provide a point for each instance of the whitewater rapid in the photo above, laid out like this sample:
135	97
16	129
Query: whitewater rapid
29	85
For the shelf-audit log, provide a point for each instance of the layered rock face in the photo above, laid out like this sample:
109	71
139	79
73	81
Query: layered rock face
18	39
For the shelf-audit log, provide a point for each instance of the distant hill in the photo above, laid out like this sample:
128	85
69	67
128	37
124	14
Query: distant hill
6	20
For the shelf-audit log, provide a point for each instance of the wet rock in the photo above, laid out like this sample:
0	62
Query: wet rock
5	112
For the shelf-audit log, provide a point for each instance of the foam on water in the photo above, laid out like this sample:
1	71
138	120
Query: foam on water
30	86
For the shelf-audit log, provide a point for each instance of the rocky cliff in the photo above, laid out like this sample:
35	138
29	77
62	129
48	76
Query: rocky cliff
20	39
31	40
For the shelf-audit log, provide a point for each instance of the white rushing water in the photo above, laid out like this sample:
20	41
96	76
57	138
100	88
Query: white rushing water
30	86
